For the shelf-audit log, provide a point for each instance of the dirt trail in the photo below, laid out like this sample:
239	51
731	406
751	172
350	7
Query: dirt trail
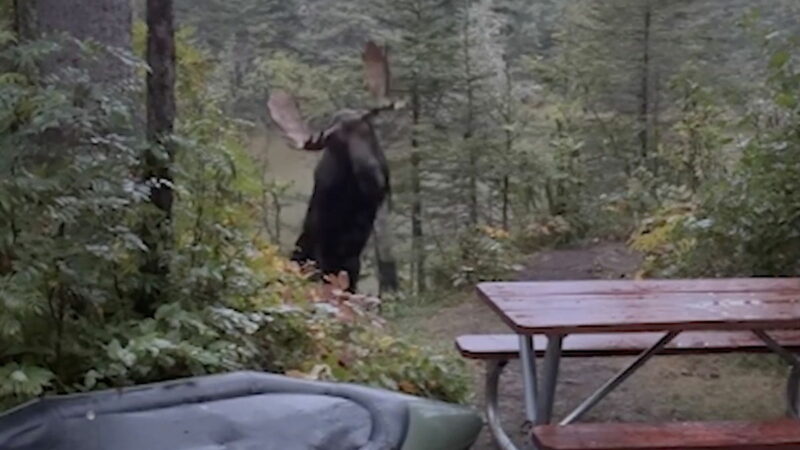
668	388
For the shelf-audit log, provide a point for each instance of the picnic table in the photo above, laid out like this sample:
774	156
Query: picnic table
662	310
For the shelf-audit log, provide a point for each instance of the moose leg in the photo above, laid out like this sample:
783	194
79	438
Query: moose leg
305	254
303	249
352	266
351	244
334	264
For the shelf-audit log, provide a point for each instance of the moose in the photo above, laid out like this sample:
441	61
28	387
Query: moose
351	180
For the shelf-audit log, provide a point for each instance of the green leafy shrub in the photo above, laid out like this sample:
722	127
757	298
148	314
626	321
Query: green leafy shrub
548	231
749	222
662	238
482	254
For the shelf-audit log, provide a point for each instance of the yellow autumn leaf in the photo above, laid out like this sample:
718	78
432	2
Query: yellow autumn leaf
408	387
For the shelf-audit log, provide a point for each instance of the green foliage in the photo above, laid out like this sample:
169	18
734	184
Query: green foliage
695	153
67	197
401	366
260	22
660	239
70	199
746	224
564	188
472	256
546	232
24	381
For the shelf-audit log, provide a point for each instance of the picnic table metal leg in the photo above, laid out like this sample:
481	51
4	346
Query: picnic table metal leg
611	384
776	347
494	369
792	392
528	359
794	375
552	360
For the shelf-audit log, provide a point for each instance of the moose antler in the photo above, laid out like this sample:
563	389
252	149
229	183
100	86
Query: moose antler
286	114
376	71
284	111
378	78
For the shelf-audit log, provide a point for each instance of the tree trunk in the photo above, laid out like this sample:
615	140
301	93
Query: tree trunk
157	228
655	119
644	106
469	122
505	188
161	78
552	200
22	18
417	237
384	255
106	21
508	118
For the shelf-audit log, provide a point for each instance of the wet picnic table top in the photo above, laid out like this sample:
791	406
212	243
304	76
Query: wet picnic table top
597	306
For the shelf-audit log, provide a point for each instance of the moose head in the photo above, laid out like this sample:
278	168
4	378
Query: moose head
351	180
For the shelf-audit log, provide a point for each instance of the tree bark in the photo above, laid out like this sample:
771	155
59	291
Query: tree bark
505	189
161	78
507	112
655	119
644	106
469	122
384	255
417	237
157	228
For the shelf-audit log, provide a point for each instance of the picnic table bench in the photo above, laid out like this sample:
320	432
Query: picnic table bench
778	434
642	318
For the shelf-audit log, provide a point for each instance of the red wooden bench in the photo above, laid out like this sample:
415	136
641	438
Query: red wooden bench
779	434
497	350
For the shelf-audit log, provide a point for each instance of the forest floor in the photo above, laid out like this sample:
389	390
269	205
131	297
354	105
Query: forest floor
724	387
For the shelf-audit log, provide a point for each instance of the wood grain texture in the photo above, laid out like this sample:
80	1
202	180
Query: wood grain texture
506	346
642	306
781	434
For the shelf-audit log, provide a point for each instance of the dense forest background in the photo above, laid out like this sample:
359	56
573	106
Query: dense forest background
672	124
538	123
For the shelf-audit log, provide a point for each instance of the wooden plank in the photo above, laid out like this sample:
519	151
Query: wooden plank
506	346
631	306
752	298
780	434
632	286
